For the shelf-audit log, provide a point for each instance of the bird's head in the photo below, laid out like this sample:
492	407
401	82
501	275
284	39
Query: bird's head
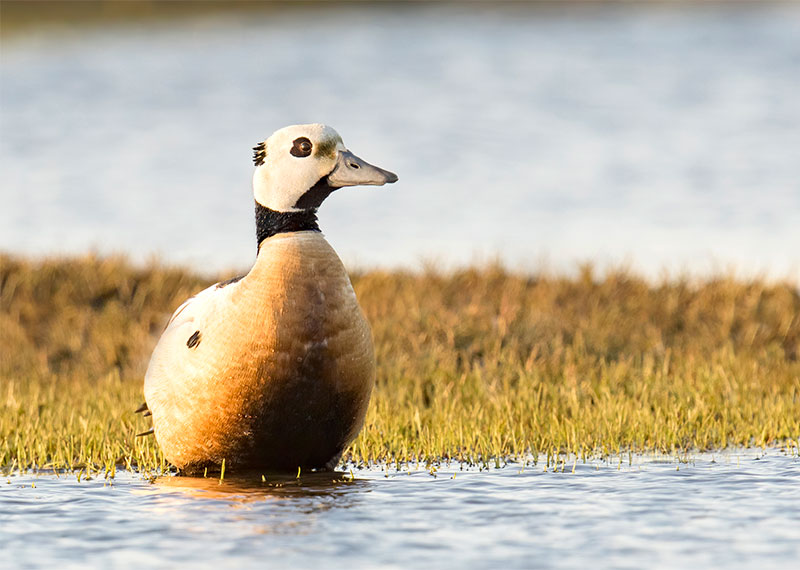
299	166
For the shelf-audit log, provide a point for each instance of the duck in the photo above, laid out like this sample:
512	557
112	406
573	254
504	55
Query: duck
272	370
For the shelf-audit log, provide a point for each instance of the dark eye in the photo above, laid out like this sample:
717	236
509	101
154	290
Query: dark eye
301	147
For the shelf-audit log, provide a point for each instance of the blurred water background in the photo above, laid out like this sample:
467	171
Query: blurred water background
662	137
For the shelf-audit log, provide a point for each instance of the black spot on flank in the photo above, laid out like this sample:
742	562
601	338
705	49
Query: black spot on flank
260	153
194	340
301	147
230	281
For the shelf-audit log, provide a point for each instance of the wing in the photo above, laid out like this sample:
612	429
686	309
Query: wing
176	358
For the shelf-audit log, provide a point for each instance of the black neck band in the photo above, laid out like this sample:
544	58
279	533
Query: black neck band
269	222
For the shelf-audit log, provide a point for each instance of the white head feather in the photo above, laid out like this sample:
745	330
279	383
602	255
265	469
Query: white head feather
282	177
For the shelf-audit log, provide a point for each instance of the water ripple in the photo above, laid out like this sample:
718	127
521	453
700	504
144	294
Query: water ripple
726	510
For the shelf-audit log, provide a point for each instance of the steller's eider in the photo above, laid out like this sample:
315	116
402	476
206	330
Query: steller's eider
272	370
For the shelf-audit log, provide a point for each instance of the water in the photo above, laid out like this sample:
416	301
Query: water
731	510
664	138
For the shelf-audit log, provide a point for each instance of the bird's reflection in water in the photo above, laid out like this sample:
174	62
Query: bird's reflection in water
254	487
278	504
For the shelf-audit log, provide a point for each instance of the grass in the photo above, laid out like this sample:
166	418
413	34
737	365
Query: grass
473	365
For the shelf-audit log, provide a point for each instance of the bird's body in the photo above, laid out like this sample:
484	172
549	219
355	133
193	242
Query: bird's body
271	371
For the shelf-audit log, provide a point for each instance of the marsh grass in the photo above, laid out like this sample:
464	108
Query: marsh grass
477	365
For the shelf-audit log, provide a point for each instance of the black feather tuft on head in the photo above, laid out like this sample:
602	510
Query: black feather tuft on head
260	153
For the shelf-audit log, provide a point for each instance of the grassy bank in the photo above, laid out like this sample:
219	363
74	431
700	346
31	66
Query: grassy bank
472	364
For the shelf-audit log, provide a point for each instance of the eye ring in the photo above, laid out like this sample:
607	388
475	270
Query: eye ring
301	147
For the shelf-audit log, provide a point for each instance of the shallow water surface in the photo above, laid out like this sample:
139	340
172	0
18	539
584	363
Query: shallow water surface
730	510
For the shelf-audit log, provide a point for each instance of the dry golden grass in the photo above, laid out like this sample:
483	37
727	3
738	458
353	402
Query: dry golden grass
474	364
